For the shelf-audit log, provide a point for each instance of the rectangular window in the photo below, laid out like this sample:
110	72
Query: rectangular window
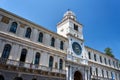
76	27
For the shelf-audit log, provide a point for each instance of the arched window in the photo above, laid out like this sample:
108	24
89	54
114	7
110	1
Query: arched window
1	77
40	38
61	64
28	33
13	27
107	73
18	78
89	55
95	57
91	70
37	58
6	51
61	45
100	59
51	62
105	60
52	42
109	62
102	73
96	71
23	55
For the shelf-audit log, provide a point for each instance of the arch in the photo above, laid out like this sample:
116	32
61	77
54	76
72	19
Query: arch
40	38
37	58
61	45
13	27
23	55
6	51
61	64
51	62
1	77
77	76
28	32
18	78
52	41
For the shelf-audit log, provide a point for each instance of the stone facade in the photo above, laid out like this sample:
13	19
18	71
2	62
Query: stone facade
30	52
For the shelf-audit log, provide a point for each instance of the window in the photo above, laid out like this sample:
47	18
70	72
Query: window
52	42
109	62
111	74
100	59
102	73
89	54
95	57
76	27
1	77
37	58
28	33
23	55
114	63
6	51
117	64
107	73
96	72
51	62
13	27
91	70
40	38
105	60
61	64
61	45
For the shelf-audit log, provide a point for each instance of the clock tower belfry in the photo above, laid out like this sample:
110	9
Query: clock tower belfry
70	28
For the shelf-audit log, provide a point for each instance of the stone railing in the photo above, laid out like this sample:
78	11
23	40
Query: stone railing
77	60
30	65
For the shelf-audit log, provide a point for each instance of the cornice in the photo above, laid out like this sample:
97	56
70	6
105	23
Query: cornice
100	52
30	23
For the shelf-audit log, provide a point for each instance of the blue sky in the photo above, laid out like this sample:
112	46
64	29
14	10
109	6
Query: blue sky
101	18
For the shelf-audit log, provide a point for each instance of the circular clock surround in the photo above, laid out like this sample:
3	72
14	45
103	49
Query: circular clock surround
76	48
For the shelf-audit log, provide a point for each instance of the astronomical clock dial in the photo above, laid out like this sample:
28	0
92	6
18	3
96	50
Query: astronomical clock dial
76	48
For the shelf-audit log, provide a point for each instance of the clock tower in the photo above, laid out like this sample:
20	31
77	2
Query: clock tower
70	28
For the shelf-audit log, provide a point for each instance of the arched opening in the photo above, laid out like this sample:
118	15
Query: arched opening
13	27
77	76
61	64
53	42
51	62
37	58
6	51
18	78
40	38
28	33
1	77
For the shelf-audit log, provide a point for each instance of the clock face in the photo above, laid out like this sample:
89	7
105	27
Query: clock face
76	48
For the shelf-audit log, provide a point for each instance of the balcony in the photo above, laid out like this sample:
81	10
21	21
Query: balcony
19	64
77	60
